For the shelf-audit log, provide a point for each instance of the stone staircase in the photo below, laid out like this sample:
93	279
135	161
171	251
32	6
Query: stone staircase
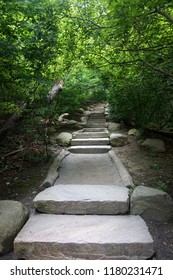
85	215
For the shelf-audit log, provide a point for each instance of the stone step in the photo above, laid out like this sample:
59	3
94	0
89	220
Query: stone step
83	199
97	114
95	125
90	141
95	129
67	237
89	149
86	135
99	119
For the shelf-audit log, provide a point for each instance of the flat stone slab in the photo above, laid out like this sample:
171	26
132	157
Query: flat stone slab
97	115
86	135
89	149
95	129
83	199
65	237
90	169
95	124
90	141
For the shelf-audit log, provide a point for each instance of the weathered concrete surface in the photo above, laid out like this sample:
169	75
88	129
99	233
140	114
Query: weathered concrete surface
155	145
97	149
93	237
90	169
152	204
83	199
118	139
123	172
13	216
90	141
86	135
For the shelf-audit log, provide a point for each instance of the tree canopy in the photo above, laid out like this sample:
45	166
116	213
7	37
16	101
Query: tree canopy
120	51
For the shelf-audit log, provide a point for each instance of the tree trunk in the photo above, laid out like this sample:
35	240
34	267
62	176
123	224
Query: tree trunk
54	91
15	117
12	120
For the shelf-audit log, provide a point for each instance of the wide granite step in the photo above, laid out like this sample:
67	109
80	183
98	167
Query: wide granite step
86	135
95	129
90	141
83	199
97	115
93	119
89	149
95	124
66	237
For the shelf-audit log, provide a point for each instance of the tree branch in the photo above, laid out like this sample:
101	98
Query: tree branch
164	14
157	69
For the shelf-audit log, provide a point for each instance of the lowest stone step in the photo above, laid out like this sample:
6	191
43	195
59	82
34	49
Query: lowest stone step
83	199
65	237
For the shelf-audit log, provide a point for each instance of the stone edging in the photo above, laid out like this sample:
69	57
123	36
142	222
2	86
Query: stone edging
53	174
124	174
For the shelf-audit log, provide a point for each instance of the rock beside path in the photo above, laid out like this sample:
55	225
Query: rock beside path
134	132
118	139
152	204
64	139
155	145
13	216
112	127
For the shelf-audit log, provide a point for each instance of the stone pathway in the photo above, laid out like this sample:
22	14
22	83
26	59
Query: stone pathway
85	215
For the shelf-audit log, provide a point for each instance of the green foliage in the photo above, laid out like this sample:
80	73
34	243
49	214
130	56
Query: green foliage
82	84
102	49
162	186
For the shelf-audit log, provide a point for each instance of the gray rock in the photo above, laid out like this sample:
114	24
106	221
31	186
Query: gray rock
13	216
134	132
152	204
67	237
155	145
64	138
117	139
83	199
112	127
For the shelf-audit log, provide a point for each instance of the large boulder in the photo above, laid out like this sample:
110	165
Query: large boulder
13	216
152	204
112	127
155	145
64	139
118	139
